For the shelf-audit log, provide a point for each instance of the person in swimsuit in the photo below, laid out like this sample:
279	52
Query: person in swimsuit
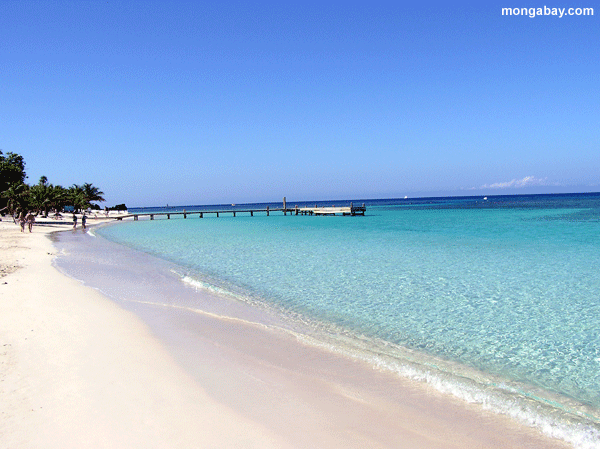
22	221
30	221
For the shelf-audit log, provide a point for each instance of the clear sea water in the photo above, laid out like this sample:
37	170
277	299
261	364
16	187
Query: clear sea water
495	301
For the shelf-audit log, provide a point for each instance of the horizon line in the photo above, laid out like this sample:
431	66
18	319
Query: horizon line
392	198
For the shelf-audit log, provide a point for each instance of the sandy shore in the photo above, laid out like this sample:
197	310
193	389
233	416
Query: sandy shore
76	370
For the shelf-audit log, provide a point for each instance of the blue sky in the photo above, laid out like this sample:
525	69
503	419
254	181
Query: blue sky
183	102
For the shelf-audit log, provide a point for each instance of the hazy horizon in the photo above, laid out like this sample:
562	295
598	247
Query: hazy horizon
417	196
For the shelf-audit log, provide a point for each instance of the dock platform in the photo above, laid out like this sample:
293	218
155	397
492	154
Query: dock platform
315	211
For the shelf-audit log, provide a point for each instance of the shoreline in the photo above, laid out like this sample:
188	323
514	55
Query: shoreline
78	371
288	394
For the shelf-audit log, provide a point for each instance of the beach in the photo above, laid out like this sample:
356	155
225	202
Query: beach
79	370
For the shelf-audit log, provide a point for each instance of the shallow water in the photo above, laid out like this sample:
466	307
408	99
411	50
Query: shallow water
493	301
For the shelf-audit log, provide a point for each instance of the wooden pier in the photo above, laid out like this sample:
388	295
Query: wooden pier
323	210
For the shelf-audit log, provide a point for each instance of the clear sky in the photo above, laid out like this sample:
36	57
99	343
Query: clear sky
189	102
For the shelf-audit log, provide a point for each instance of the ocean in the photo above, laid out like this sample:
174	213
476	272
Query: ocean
493	300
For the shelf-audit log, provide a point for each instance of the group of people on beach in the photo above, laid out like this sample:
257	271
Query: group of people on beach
28	220
83	220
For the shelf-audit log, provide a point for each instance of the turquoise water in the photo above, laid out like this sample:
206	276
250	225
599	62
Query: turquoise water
495	301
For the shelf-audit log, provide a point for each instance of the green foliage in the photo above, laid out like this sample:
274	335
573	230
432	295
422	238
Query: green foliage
12	170
16	196
45	197
81	197
12	175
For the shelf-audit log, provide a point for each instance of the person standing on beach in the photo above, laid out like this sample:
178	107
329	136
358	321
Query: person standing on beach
22	221
74	221
83	220
30	221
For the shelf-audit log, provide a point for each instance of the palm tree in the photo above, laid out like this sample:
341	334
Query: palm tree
60	197
17	198
42	195
92	193
76	197
12	171
81	197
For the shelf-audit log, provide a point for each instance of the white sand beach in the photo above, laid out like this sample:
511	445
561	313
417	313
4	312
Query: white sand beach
76	370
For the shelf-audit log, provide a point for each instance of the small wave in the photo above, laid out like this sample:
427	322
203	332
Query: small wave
229	292
549	417
214	315
205	286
